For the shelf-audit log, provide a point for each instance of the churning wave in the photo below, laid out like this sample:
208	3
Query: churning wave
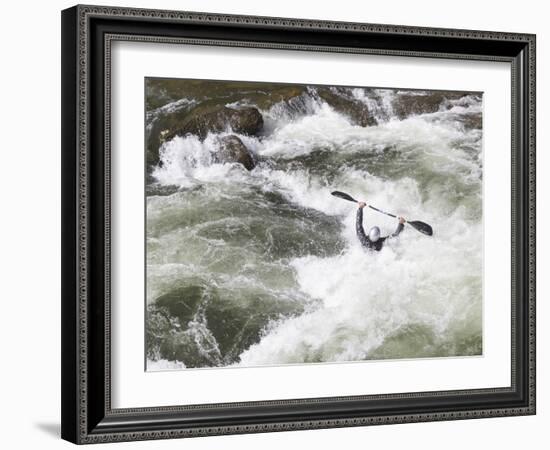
263	267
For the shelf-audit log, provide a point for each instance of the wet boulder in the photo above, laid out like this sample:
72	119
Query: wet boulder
207	118
155	189
201	120
232	149
265	99
472	121
410	103
344	103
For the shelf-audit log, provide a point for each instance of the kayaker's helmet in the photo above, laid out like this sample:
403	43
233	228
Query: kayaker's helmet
374	234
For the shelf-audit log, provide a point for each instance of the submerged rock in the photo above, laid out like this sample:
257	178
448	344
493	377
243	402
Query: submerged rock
232	149
199	121
160	92
155	189
265	99
411	103
345	104
206	118
472	121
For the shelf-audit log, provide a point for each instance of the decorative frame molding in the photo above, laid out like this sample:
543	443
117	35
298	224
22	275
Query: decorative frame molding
87	34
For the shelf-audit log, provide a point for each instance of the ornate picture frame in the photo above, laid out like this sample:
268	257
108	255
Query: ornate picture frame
88	33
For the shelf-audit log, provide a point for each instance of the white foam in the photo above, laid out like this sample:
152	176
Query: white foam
368	296
164	364
188	160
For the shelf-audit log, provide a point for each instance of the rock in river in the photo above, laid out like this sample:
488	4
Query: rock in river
206	118
340	100
413	102
232	149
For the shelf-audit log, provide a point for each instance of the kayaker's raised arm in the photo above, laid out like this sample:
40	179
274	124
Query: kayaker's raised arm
400	227
359	225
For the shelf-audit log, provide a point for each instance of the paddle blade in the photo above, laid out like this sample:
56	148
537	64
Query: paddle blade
424	228
344	196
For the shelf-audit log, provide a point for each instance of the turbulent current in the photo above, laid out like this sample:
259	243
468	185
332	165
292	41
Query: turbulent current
263	266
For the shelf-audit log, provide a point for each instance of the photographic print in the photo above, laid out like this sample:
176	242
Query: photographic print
301	224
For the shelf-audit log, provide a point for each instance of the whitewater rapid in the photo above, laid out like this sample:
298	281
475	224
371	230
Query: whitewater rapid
273	242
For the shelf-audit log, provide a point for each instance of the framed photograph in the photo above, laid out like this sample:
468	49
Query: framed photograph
278	224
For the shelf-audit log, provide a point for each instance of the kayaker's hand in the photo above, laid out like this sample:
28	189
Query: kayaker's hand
361	204
401	219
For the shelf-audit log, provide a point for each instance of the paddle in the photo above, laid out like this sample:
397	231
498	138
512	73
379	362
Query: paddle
423	227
